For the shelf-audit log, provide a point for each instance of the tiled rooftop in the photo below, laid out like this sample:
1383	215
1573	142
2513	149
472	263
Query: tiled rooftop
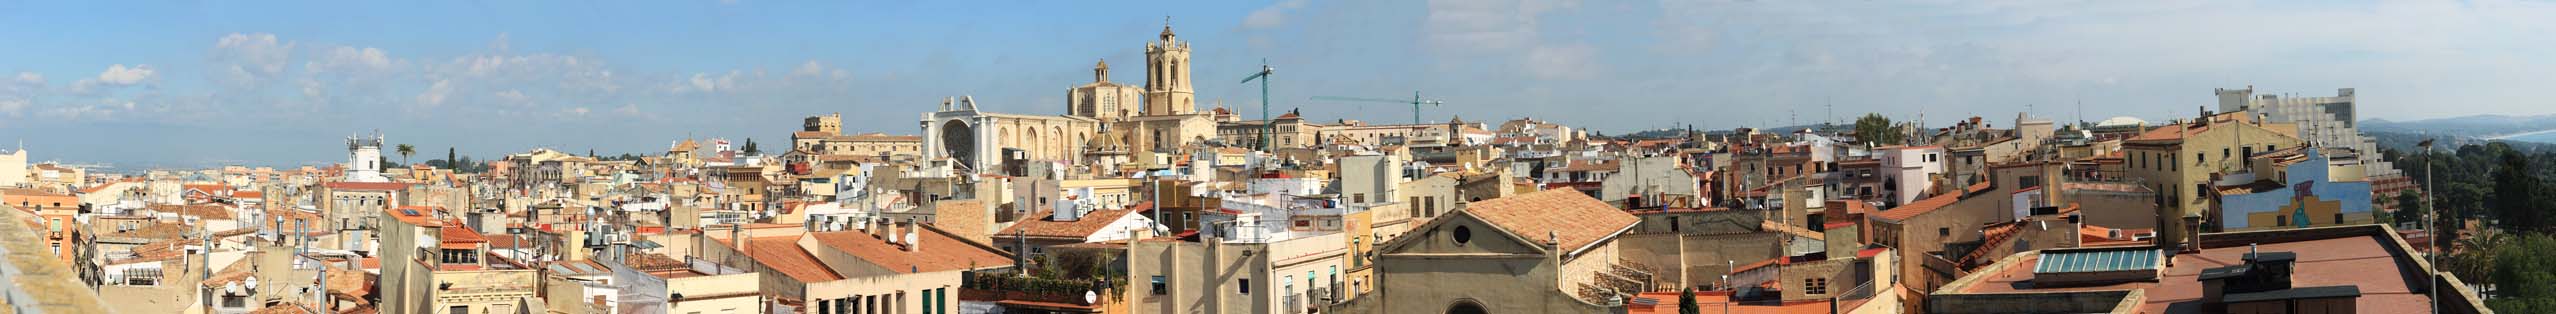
1577	219
2363	261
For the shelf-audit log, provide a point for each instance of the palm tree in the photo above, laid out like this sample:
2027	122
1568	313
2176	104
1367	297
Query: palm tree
404	151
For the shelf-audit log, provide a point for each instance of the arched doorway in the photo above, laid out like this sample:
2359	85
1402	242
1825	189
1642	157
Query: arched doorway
1466	306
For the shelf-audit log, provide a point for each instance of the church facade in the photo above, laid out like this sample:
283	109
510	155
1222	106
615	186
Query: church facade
1105	123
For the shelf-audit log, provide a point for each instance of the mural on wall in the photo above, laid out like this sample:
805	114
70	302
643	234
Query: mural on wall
2307	197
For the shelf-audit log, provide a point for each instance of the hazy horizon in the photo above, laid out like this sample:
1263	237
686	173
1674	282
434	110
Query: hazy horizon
210	83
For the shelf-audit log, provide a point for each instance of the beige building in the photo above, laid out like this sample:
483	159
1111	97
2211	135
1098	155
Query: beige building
1104	100
13	168
1551	251
960	140
423	272
823	135
2177	161
1296	275
868	268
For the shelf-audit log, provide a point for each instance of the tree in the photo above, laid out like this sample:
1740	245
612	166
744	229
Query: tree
2516	200
2409	206
749	147
1686	302
1875	129
452	155
404	151
2524	275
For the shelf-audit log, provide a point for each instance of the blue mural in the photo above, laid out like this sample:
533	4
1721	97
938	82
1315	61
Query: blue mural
2306	180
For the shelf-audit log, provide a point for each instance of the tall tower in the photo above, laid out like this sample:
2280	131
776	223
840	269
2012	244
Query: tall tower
364	159
1167	89
831	124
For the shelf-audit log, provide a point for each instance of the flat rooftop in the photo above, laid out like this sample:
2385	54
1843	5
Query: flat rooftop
2364	261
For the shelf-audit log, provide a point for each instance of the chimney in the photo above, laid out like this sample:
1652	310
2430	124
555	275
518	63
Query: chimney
913	237
890	233
736	235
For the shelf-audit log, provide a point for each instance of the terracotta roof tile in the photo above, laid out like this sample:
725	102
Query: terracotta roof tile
783	255
1079	228
375	186
940	252
1923	206
1578	220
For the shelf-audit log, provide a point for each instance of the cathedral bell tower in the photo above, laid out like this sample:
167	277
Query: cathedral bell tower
1167	90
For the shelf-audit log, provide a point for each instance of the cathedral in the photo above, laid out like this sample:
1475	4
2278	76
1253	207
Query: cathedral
1169	116
1104	125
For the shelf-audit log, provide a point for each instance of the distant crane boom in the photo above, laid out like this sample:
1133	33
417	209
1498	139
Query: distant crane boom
1415	102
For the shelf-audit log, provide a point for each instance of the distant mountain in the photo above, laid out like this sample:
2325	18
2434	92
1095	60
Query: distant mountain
2478	126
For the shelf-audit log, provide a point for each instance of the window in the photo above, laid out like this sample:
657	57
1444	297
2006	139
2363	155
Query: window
1245	283
1159	287
1359	198
1815	286
1462	235
1672	223
1943	232
458	309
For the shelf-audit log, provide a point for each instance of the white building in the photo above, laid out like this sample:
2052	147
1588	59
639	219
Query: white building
364	159
2328	122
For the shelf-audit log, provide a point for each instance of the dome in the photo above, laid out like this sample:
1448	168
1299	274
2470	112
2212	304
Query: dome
2121	121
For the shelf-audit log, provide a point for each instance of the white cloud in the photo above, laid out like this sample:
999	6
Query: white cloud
1573	61
30	78
13	106
246	57
366	60
435	94
811	68
120	75
1273	16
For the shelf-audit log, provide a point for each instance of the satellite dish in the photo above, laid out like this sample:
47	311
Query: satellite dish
1090	297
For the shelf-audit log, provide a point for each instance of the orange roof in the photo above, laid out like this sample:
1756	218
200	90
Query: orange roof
1578	220
782	254
248	194
940	252
458	235
415	215
1923	206
1079	228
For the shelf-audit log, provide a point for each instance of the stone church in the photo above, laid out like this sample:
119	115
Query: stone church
1105	122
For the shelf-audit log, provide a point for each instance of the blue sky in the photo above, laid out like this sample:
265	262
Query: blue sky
279	83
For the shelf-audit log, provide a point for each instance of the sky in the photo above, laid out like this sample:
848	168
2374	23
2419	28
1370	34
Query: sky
191	84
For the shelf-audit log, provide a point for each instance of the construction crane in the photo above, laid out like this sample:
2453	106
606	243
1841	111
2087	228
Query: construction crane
1266	126
1415	103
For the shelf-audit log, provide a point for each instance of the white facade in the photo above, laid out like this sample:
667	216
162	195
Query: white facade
2326	122
1907	171
364	159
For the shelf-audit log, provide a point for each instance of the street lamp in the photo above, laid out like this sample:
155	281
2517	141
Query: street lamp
2430	224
